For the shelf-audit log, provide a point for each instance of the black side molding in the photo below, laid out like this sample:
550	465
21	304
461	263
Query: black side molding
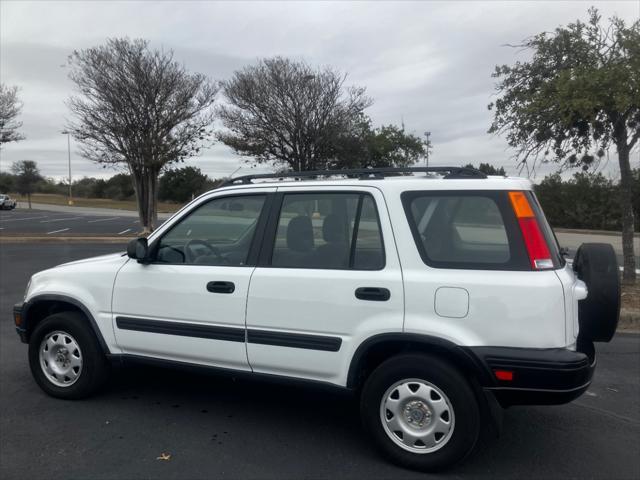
229	334
294	340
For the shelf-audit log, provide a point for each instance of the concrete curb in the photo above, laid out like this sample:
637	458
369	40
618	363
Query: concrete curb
82	239
97	211
588	232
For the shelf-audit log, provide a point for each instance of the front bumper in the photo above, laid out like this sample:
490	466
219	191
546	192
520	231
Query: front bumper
530	376
19	320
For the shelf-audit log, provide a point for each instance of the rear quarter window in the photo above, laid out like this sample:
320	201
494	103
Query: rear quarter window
466	230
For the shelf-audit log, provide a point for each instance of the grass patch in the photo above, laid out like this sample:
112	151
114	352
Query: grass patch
55	199
631	297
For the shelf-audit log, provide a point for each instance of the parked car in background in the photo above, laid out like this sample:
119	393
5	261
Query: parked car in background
6	202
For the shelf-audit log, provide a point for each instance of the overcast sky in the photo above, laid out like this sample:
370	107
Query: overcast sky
428	64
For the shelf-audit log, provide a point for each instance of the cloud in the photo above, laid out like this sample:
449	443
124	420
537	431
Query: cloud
428	64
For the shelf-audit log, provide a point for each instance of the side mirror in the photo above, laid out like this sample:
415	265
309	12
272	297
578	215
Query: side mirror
138	249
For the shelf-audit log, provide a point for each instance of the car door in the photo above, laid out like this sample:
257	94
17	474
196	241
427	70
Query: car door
188	303
328	278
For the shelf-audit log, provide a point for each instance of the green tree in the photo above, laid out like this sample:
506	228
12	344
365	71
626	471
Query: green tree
119	187
488	169
27	176
7	182
183	184
387	146
578	95
140	109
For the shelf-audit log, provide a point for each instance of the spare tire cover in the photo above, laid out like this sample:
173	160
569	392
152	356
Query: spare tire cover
597	266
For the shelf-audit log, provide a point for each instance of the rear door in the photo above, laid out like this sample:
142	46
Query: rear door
189	303
328	277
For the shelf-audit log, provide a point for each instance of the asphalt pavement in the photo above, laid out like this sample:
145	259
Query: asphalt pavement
221	427
64	223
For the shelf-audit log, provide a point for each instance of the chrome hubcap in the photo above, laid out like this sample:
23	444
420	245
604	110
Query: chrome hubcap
417	416
60	358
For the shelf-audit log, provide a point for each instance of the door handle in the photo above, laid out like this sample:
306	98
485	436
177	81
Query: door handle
221	287
373	293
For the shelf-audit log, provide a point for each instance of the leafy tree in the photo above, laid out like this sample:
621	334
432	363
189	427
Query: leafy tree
27	176
386	146
183	184
10	107
141	109
6	182
578	95
488	169
119	187
287	112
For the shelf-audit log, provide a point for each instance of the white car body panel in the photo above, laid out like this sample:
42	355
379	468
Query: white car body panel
505	308
323	302
89	282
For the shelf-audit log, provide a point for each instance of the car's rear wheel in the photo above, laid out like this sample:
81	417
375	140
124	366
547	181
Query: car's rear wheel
420	411
65	357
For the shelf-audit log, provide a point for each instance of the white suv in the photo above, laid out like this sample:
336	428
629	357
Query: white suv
437	294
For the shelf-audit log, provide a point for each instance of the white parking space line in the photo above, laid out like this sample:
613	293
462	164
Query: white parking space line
24	218
124	231
103	220
59	219
58	231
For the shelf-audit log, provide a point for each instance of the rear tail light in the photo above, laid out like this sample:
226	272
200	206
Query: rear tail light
534	240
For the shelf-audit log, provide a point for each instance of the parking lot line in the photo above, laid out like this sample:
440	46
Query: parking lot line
124	231
59	219
103	220
25	218
58	231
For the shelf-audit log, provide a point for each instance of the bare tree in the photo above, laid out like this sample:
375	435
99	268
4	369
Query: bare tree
10	107
140	109
285	111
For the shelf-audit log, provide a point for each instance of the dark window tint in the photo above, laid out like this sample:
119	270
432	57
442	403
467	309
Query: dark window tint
328	230
368	253
217	233
465	230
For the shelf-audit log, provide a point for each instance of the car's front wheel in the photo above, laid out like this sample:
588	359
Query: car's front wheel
65	357
420	411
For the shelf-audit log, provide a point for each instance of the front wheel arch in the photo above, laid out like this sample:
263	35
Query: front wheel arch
41	306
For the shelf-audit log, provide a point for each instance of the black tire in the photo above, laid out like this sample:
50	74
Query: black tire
443	376
95	367
597	266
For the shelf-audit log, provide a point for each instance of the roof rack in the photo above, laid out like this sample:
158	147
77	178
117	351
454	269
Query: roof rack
361	173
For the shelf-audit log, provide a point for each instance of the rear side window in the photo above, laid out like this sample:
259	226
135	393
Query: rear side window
328	231
471	230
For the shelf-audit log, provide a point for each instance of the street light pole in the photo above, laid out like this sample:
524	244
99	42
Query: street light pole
68	134
428	135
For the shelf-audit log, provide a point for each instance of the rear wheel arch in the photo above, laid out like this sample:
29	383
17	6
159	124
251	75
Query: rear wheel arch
40	307
375	350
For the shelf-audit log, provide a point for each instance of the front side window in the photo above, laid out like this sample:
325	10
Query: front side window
474	230
328	230
219	232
